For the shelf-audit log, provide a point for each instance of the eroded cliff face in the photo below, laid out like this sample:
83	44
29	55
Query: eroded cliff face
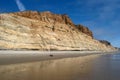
85	30
32	30
46	17
105	42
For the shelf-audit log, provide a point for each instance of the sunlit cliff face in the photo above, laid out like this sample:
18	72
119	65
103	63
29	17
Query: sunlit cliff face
32	30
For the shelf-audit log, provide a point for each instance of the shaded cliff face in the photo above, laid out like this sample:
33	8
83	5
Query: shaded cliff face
105	42
32	30
84	30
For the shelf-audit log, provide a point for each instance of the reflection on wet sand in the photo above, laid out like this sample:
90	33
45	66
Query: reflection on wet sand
76	68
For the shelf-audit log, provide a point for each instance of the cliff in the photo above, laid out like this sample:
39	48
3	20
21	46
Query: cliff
46	17
32	30
105	42
85	30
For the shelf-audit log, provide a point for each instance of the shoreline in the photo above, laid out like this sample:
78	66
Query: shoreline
14	57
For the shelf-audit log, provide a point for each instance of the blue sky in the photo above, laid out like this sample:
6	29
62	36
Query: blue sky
101	16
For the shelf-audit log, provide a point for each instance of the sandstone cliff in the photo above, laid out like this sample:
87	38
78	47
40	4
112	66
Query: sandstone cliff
105	42
46	17
85	30
32	30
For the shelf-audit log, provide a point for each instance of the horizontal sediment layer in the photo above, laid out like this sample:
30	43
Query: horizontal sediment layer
20	32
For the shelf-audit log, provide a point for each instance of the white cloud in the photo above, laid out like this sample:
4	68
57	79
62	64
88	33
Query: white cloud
20	5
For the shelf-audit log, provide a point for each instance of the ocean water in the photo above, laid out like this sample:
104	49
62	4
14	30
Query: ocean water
106	67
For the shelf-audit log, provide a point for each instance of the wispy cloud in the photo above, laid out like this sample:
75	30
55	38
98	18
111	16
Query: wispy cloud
20	5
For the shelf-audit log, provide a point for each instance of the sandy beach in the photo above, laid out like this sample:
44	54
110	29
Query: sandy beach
13	57
58	69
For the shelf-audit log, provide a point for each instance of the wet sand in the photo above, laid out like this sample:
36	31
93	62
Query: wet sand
14	57
75	68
